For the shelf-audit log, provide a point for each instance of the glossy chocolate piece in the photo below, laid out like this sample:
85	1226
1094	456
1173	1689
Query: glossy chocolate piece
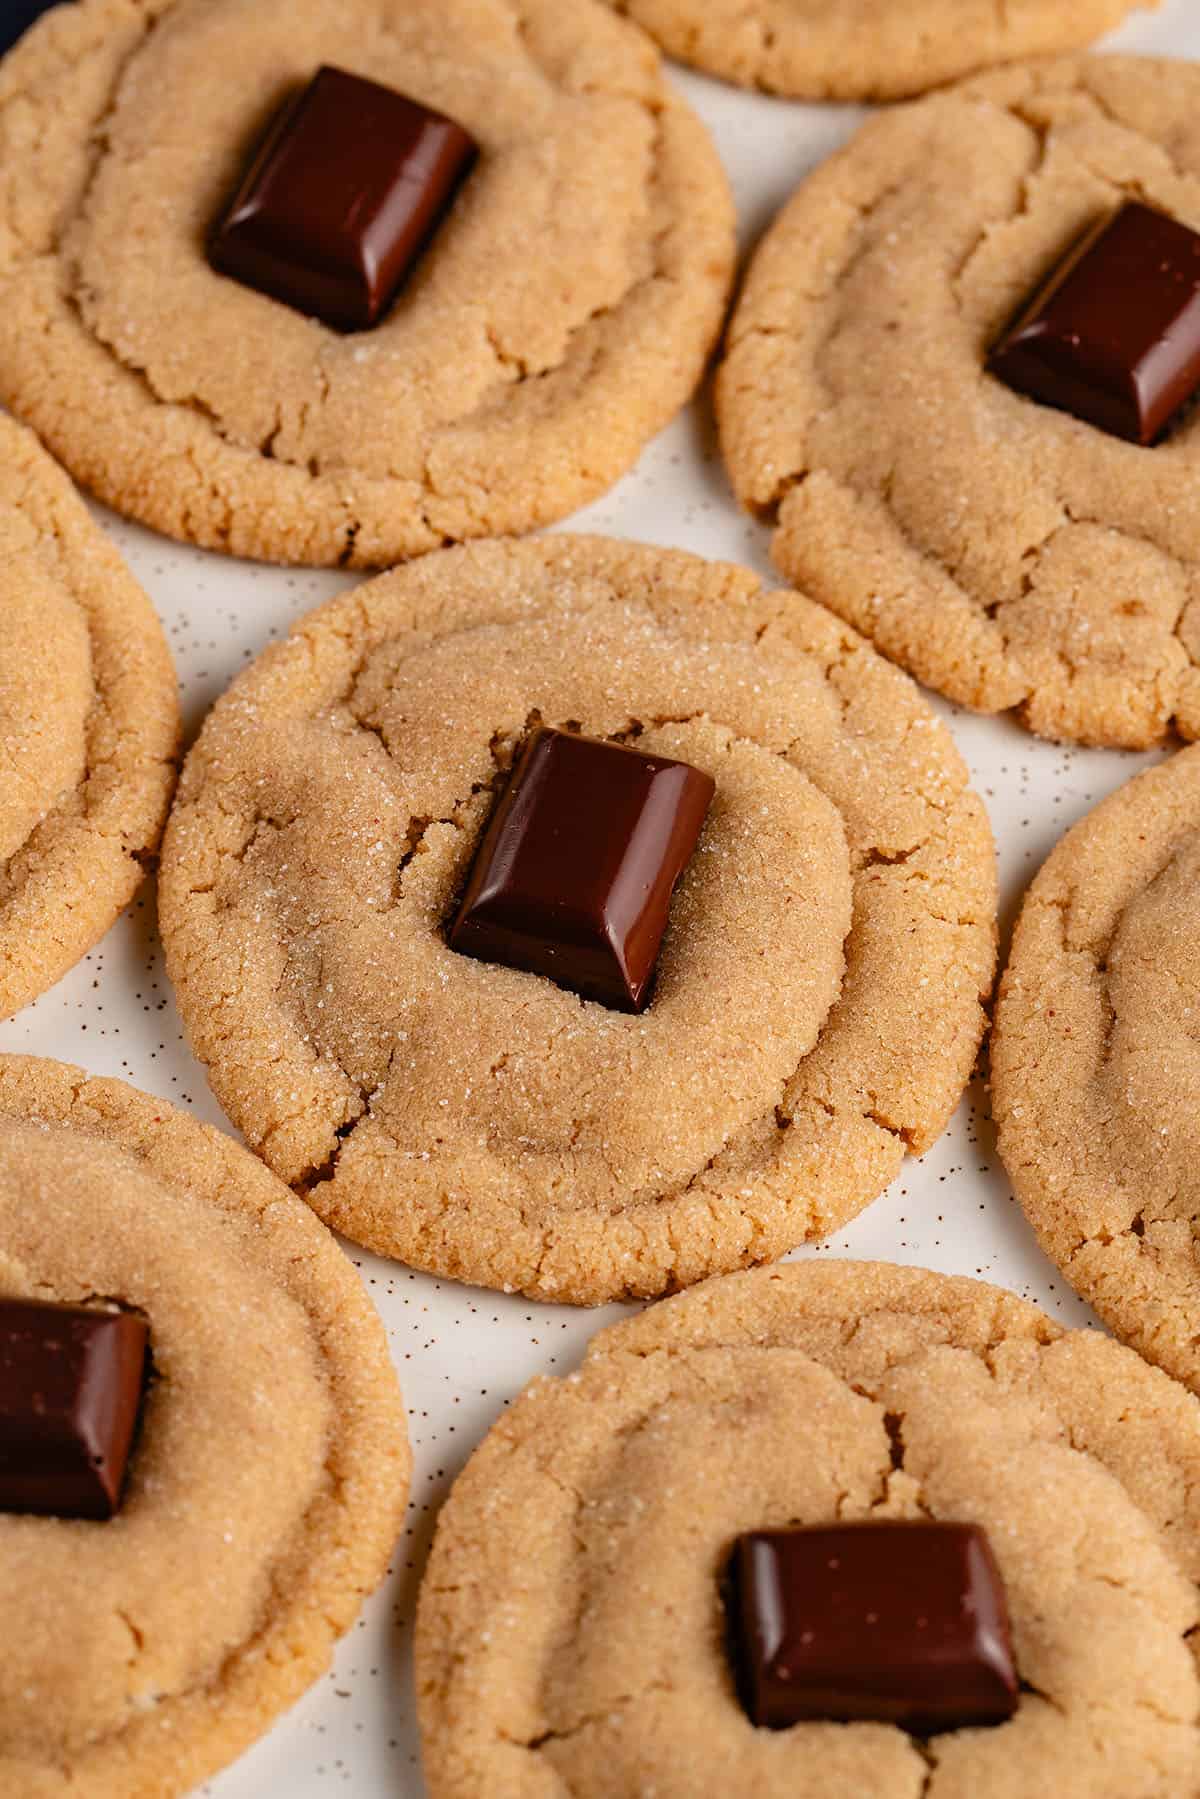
896	1622
70	1389
341	199
16	16
575	873
1114	337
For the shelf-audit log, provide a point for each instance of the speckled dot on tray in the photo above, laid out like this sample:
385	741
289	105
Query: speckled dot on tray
464	1355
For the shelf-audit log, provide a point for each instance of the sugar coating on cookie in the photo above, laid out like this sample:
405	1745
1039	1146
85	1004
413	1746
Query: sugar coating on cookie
817	1009
1005	553
866	49
89	725
571	1633
1095	1079
267	1484
561	315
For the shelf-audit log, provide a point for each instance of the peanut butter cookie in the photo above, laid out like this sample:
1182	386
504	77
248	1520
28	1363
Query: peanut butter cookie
1095	1083
818	1001
561	314
1003	551
266	1487
865	49
89	725
571	1635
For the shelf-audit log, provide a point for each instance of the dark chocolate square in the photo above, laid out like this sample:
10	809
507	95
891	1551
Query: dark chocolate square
16	16
574	876
341	199
71	1383
895	1622
1114	335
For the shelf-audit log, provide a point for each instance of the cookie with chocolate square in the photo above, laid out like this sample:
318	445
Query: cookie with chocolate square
1095	1078
819	1531
579	917
961	388
203	1458
341	281
865	49
89	725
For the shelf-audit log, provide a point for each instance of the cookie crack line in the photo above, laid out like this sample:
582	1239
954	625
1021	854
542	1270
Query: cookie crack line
99	135
770	514
1041	137
624	1435
1185	177
767	508
136	1635
244	1650
620	1702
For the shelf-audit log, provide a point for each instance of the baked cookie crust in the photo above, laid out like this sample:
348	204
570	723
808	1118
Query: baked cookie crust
269	1482
89	725
1004	553
570	1634
866	49
1095	1084
562	315
818	1008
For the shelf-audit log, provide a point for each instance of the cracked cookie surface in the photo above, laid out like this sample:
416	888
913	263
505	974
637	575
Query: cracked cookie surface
570	1636
1095	1068
1003	552
561	316
866	49
818	1006
266	1488
89	725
